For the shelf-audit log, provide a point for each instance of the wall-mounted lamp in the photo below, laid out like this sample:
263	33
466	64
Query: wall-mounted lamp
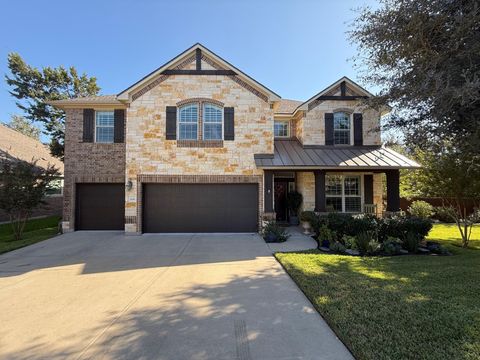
129	185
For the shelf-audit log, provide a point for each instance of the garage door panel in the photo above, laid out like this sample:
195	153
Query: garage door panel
200	207
100	206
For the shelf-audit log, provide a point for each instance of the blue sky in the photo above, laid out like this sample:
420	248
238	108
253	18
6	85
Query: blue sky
296	48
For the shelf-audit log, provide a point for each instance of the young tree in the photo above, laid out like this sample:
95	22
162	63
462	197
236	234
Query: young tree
22	125
22	189
447	173
424	55
34	87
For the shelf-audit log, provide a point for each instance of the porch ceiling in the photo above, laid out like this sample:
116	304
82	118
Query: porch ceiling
290	154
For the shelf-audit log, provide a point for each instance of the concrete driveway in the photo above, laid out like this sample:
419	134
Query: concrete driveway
103	295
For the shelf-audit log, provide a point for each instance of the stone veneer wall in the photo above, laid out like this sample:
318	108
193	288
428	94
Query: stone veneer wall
378	192
311	129
305	184
148	153
87	162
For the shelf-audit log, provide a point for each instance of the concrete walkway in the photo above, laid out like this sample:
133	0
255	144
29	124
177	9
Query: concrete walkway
297	241
103	295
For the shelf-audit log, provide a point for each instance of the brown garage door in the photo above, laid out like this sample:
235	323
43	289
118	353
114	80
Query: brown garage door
200	208
100	207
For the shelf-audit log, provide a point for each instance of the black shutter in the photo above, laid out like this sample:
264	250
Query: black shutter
119	125
88	123
228	123
328	128
171	123
357	129
368	189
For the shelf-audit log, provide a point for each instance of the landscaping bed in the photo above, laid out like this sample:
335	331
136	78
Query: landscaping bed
35	230
398	307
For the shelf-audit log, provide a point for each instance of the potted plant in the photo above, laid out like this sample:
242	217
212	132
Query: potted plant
294	201
307	218
272	232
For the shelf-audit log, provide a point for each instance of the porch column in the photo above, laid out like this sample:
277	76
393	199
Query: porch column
268	191
319	190
393	190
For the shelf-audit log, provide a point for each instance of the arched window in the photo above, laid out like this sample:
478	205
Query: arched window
188	122
212	122
341	128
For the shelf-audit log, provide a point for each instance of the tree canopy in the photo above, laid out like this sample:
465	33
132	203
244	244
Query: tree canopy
22	125
33	88
424	55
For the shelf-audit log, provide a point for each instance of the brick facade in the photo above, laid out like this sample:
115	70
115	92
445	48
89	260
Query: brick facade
87	162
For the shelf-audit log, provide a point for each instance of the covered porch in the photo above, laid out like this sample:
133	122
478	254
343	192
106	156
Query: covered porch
331	178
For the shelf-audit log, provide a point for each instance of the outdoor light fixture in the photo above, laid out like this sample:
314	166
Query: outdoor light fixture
129	185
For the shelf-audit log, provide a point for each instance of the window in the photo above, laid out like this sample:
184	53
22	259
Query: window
104	123
188	122
212	122
341	128
343	193
280	128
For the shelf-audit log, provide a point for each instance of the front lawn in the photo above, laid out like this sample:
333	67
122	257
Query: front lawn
415	307
35	230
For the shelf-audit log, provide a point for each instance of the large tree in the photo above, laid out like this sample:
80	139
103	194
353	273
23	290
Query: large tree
424	56
33	87
24	126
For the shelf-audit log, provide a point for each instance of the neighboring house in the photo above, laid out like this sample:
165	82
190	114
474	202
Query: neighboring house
199	146
16	146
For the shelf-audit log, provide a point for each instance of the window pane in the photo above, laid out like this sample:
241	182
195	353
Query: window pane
352	185
341	128
212	131
333	185
104	134
334	203
280	128
212	114
104	118
352	204
189	113
188	131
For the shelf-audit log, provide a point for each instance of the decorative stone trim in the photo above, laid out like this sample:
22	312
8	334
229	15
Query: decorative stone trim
200	143
211	63
248	87
130	219
161	78
200	100
197	179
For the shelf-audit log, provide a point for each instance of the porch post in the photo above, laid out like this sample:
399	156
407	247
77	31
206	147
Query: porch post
319	190
393	190
268	191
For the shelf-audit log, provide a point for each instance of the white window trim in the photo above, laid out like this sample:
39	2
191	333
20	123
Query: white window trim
95	126
350	119
288	128
203	121
178	119
343	196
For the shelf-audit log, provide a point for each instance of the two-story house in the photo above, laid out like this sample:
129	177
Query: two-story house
199	146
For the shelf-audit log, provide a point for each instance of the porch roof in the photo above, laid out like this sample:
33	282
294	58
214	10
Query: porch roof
290	154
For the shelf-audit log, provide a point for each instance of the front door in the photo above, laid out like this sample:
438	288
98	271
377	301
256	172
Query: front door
280	194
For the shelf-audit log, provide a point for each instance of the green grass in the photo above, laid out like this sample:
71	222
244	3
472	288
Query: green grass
415	307
35	230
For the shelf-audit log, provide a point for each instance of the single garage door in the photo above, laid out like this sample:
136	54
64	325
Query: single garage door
200	208
100	207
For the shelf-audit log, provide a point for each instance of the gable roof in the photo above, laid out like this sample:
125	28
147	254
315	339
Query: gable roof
16	146
125	94
287	106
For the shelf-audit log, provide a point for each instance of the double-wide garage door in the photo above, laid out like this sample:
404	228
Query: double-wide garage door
100	207
171	208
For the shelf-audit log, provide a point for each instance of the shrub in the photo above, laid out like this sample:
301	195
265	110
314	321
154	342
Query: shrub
340	223
362	241
398	227
325	235
373	247
391	246
308	216
294	201
411	241
349	242
421	209
338	247
272	228
444	214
